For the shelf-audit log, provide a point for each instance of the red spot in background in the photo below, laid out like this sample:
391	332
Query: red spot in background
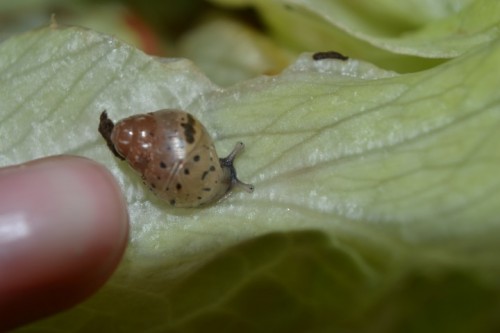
149	39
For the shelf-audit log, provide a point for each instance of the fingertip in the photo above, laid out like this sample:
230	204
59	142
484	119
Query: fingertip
64	225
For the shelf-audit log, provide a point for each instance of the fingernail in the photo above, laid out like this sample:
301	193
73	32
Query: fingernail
63	230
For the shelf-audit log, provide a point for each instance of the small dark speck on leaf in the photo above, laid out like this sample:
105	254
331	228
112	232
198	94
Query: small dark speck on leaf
329	55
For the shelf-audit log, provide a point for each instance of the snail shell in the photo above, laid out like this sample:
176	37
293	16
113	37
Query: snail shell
175	156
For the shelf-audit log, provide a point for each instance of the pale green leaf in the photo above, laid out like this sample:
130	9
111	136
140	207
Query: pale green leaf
229	52
383	31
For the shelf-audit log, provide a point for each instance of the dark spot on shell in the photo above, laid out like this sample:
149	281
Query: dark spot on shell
167	188
205	173
189	130
196	158
178	186
163	165
207	189
158	177
199	198
153	185
106	126
172	202
212	168
186	171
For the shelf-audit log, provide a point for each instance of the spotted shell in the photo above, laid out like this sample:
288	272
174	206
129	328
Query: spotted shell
175	156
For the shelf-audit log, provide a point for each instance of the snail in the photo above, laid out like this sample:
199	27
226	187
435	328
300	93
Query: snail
175	156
